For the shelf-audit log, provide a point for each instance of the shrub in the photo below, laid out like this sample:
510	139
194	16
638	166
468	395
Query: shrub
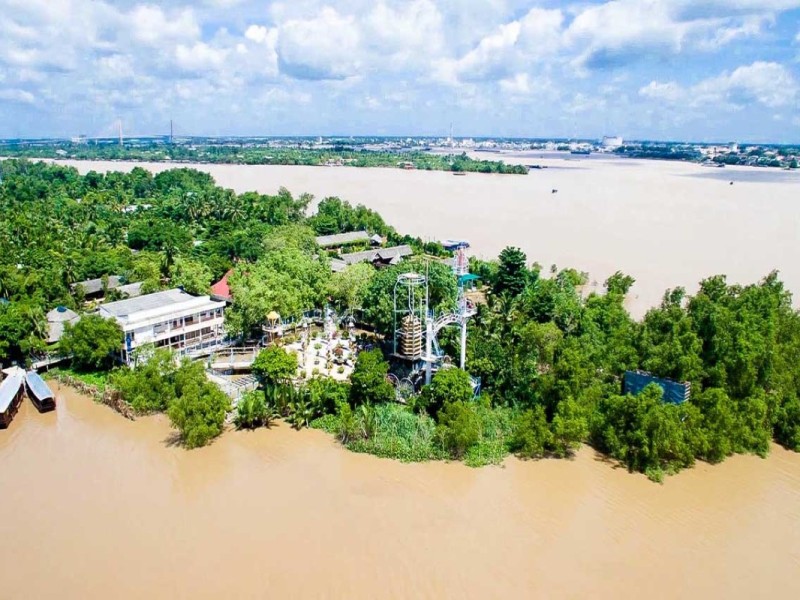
459	428
93	342
252	410
198	411
531	434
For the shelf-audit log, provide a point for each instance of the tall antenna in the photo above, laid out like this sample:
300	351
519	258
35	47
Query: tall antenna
452	143
119	124
170	131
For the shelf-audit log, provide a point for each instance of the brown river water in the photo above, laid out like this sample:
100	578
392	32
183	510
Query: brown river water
96	506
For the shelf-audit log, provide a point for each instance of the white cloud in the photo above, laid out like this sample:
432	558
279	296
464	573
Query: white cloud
518	84
325	47
413	27
668	92
199	57
149	24
618	32
768	83
510	46
15	95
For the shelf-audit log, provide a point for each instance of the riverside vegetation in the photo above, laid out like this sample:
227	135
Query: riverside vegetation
550	359
253	153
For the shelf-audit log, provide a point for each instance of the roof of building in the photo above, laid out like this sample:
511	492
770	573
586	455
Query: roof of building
338	265
56	319
383	254
337	239
9	388
131	290
126	309
221	289
94	286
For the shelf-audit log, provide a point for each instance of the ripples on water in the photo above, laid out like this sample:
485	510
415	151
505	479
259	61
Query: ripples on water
97	506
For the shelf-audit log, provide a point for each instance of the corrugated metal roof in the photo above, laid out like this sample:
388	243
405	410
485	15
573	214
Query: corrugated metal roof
123	308
338	265
131	290
94	286
336	239
56	319
9	389
385	254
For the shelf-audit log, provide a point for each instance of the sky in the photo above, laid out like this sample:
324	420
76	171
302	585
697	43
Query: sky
699	70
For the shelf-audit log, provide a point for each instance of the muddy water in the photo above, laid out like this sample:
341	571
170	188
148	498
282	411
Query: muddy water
664	223
96	506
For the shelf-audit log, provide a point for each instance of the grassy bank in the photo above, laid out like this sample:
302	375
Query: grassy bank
395	431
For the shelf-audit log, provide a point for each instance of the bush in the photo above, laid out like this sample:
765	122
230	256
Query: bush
252	410
459	428
531	435
385	430
368	381
199	409
274	366
448	385
150	387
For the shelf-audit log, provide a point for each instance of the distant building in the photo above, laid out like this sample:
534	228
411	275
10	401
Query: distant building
343	239
172	319
611	142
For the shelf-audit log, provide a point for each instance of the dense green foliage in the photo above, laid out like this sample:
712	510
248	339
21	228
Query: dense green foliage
253	411
368	381
448	385
275	366
195	406
92	342
261	154
199	408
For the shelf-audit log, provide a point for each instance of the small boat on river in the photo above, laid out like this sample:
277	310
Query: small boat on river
12	389
40	393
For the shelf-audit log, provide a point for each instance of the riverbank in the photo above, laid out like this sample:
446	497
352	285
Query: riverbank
665	223
111	508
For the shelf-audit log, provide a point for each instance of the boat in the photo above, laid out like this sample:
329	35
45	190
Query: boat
459	173
11	392
40	393
581	152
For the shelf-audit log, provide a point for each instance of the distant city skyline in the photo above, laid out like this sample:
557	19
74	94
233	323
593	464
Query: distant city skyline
711	70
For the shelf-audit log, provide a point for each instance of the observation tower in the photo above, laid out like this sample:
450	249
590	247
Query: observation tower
416	326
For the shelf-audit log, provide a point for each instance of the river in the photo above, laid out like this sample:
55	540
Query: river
97	506
665	223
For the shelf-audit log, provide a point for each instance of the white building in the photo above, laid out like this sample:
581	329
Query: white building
172	319
611	142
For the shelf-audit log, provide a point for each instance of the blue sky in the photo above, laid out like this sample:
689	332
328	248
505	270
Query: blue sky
660	69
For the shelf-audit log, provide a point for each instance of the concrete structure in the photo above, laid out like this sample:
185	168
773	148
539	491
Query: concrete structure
173	319
611	142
